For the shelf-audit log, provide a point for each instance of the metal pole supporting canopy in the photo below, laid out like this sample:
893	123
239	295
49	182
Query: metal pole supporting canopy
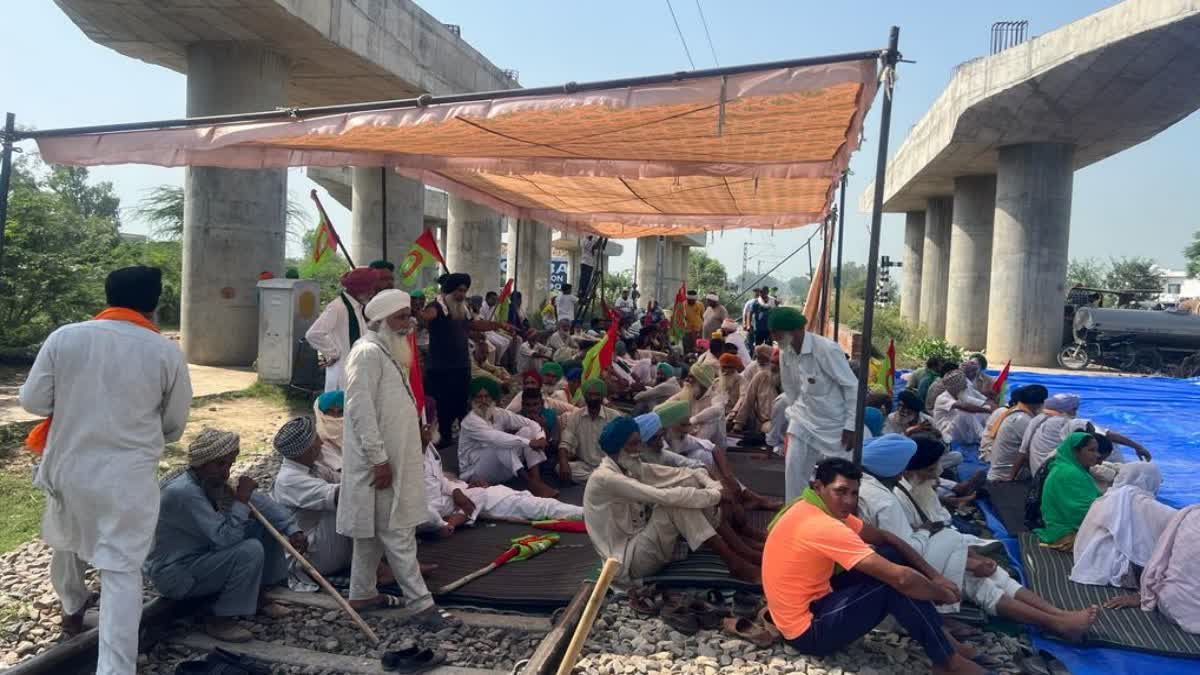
890	57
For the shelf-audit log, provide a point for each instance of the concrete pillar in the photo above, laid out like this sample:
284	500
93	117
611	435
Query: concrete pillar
910	286
405	215
681	268
473	243
970	261
234	220
1029	252
935	265
529	256
647	270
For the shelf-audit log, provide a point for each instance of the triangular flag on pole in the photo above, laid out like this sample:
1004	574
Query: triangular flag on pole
501	313
326	240
1000	386
678	321
887	372
600	356
423	252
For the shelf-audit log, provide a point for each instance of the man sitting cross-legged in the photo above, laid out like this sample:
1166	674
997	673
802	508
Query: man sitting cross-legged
681	504
579	450
820	612
207	543
454	503
495	445
308	486
882	505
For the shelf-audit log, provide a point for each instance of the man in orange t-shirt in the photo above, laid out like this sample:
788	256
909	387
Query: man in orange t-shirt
826	586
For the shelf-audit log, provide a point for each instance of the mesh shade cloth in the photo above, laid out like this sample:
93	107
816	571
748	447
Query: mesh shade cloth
760	149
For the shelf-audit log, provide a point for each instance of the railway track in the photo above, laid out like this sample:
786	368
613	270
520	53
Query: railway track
78	655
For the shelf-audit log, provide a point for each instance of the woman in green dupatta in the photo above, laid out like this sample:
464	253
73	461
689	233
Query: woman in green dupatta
1069	490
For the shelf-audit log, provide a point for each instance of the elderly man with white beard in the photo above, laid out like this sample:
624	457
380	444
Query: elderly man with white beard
382	499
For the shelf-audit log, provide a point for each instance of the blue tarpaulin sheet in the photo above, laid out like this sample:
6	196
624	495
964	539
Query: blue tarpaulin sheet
1163	414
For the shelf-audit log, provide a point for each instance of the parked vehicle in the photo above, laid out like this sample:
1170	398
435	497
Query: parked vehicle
1132	340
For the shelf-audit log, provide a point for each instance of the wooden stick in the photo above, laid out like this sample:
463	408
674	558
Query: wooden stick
589	616
459	583
312	572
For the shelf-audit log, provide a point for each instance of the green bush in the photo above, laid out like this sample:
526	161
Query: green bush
922	349
888	326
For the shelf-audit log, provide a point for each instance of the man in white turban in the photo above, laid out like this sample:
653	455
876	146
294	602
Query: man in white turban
382	499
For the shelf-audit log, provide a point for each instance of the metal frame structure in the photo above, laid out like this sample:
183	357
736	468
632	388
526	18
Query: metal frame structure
837	278
889	56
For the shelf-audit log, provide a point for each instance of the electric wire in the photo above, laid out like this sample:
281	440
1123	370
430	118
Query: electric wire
707	35
680	33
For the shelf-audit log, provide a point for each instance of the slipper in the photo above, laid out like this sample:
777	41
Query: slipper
746	604
748	630
646	600
680	619
707	615
411	660
435	618
382	601
765	620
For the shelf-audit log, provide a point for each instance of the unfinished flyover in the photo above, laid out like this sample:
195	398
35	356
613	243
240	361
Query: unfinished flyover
985	177
255	55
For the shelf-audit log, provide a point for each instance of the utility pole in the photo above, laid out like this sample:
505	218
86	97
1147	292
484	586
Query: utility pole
745	257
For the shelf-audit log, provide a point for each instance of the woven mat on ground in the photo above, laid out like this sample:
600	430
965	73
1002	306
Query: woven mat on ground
764	476
1008	501
1048	572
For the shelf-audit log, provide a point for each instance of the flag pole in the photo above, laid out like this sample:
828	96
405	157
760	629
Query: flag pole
325	218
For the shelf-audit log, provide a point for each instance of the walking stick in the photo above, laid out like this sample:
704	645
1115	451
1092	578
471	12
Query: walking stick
312	572
589	616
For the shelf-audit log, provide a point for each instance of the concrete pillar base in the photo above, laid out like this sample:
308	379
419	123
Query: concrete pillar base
405	215
1029	252
529	258
935	265
473	243
970	261
234	221
910	286
647	270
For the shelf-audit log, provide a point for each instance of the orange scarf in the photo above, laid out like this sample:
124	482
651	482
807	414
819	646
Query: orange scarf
36	440
995	428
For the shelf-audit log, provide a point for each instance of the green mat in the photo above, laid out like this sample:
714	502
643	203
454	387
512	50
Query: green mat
1048	573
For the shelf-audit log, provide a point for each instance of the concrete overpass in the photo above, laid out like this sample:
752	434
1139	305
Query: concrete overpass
985	177
253	55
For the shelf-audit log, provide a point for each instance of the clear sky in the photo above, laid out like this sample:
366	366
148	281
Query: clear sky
54	76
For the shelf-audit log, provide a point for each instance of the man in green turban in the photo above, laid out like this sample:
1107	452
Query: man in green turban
821	393
496	445
579	450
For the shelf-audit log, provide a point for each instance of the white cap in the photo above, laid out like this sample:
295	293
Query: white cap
386	303
712	296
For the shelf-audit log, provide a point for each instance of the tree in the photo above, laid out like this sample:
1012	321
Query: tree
61	242
1133	273
162	208
1192	254
797	287
1086	272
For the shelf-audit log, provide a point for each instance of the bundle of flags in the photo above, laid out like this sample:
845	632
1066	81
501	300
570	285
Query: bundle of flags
886	377
678	322
600	356
423	252
416	379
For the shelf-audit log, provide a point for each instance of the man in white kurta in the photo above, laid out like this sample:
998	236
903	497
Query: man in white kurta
960	412
454	503
495	445
308	487
341	323
821	392
579	447
118	392
382	499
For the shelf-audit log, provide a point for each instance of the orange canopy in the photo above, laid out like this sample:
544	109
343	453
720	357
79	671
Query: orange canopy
761	147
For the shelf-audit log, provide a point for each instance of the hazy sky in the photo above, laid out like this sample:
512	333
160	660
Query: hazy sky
57	77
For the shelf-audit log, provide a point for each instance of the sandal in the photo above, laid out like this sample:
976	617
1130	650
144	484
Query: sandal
646	600
381	601
680	619
411	660
435	618
765	620
749	630
746	604
707	614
